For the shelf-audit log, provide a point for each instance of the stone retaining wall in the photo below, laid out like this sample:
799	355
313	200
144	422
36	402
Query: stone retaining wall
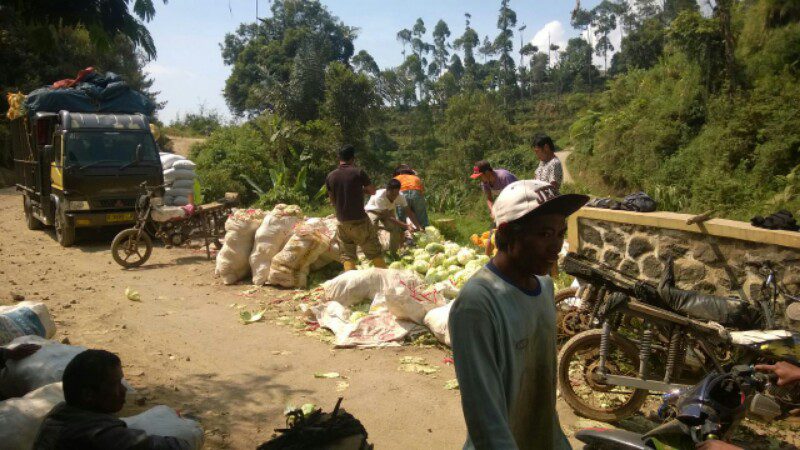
709	257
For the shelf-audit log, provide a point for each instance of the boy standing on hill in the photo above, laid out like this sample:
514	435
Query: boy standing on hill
346	186
502	325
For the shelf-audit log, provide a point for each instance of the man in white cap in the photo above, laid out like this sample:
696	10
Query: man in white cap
502	325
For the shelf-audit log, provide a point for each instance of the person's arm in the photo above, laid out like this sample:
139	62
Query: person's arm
474	343
412	216
17	353
787	373
124	438
369	189
558	174
490	203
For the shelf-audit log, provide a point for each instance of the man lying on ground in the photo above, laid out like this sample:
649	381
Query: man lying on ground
93	390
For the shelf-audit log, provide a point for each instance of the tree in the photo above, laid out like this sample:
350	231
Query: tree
504	45
363	62
263	55
104	20
487	49
404	36
468	42
574	70
440	54
605	20
349	98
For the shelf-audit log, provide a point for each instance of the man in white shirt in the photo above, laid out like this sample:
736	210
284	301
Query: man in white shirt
381	210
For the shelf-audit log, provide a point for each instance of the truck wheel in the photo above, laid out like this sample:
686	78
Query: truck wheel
32	222
130	248
65	233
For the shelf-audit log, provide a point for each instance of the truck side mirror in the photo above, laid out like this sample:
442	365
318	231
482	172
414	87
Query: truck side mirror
137	156
47	153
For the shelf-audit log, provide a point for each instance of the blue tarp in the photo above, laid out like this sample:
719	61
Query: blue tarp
95	94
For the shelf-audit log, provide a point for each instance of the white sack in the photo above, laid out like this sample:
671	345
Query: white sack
44	367
20	418
436	321
240	232
354	286
404	306
290	266
164	421
271	237
167	213
182	184
25	318
184	164
170	175
180	200
168	159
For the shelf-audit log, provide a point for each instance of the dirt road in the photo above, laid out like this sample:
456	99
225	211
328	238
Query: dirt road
182	344
563	155
182	145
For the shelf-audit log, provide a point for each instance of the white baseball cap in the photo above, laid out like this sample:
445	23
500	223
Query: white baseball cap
522	197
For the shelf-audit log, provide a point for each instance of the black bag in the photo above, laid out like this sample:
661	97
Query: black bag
639	201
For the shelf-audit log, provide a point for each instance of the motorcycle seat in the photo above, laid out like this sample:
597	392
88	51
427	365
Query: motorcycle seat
167	213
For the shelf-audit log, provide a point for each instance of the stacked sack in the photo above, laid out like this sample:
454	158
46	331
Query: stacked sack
179	174
271	237
233	260
290	267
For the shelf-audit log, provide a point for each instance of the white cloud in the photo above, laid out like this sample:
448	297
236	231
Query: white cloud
552	33
155	69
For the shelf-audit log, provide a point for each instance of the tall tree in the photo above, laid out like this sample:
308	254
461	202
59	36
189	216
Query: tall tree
504	46
486	49
404	36
468	42
441	32
104	20
605	20
363	62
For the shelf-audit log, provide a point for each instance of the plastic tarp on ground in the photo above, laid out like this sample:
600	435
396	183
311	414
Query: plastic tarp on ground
399	303
97	93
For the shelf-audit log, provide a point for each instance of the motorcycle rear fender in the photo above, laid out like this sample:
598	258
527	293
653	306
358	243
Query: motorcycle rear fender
610	439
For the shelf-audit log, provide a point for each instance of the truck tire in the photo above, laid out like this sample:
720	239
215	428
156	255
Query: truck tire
32	222
65	233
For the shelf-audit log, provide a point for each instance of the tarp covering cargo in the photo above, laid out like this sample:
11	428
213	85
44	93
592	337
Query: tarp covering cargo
95	93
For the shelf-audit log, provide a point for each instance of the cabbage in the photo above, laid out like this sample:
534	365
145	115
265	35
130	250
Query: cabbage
482	259
453	269
450	261
437	260
442	274
433	234
464	255
423	240
419	252
397	265
408	259
421	266
434	248
473	265
451	249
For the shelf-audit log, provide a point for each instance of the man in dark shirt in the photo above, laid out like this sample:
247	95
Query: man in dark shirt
93	390
347	185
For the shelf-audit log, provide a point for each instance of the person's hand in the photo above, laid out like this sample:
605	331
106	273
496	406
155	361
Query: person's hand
787	373
20	351
716	445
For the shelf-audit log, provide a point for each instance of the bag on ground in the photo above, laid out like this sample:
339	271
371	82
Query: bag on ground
171	175
20	418
240	231
355	286
184	164
164	421
436	320
271	237
168	159
290	266
44	367
25	318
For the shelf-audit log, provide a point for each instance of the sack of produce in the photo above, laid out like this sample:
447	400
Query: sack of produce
25	318
240	231
271	237
164	421
290	266
20	418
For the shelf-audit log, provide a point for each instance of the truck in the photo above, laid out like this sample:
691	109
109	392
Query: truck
79	165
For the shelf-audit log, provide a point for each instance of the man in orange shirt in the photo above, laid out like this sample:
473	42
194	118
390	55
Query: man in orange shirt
413	190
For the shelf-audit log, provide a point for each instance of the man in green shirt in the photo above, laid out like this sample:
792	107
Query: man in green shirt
502	325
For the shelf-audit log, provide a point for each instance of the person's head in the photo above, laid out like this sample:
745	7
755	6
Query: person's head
392	189
543	147
483	171
404	169
93	381
531	223
347	153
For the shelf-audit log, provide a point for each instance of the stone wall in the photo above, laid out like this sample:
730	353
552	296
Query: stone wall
709	257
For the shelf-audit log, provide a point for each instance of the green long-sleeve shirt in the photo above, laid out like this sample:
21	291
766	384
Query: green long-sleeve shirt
504	347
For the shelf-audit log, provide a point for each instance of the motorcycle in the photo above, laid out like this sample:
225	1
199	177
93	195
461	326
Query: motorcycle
173	225
711	409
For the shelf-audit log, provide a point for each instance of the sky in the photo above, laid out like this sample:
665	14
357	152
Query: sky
190	74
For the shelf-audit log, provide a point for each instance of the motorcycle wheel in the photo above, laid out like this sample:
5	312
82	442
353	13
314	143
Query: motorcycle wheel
128	250
569	320
577	362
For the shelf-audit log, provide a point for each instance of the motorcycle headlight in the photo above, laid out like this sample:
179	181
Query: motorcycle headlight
77	204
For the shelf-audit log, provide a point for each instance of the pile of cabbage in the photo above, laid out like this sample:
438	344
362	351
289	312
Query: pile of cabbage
439	260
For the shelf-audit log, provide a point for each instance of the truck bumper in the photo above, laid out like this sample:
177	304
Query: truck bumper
100	219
